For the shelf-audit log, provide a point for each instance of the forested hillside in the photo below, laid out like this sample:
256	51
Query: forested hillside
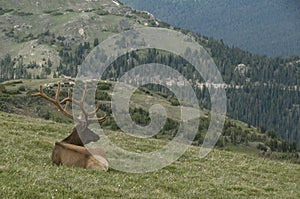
260	26
261	91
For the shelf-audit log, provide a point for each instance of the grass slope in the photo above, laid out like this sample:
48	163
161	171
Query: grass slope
23	22
26	170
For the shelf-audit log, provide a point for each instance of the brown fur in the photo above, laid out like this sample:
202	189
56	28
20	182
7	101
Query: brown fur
72	155
71	151
87	136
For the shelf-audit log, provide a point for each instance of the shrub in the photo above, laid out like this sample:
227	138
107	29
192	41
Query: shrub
22	88
174	101
262	147
23	13
104	86
2	89
13	92
103	96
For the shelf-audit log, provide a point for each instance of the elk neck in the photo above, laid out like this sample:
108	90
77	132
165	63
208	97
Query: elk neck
74	138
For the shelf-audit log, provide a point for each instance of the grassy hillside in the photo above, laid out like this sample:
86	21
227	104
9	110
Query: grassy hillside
27	27
261	27
27	172
15	97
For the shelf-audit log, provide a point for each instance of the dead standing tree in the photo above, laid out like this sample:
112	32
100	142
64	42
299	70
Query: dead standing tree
71	151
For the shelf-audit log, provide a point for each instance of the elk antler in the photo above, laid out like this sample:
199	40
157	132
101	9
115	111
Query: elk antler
66	101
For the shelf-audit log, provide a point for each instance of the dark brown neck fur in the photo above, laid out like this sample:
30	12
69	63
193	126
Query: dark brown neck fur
73	138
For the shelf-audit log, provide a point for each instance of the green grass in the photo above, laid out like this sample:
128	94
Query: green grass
26	170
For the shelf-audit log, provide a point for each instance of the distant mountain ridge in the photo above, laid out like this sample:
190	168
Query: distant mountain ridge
260	26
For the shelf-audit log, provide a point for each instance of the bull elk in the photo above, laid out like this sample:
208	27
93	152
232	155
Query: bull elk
71	150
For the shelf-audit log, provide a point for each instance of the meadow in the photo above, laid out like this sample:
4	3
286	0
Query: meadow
26	170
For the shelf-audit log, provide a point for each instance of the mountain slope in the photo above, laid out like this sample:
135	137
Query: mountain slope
22	29
261	27
52	41
26	170
236	136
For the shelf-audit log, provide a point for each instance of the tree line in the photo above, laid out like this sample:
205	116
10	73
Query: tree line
265	93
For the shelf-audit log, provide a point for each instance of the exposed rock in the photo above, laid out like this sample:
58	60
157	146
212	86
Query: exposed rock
81	32
241	69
